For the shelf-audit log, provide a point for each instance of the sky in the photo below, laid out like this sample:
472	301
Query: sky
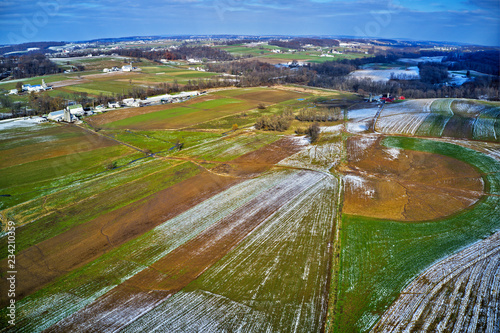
465	21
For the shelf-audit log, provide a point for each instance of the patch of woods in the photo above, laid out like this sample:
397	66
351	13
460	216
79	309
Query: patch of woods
28	65
183	52
278	123
319	114
299	43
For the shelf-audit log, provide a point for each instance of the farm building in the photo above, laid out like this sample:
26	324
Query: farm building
76	109
62	115
13	92
129	101
127	68
113	105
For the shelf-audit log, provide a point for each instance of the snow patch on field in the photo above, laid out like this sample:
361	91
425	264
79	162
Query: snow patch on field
239	293
393	152
337	129
384	75
459	293
20	122
318	157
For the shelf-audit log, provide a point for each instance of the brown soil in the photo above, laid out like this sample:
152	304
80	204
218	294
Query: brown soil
48	260
180	267
415	186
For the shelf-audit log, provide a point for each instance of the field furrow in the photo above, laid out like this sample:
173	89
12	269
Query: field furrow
172	272
275	280
465	277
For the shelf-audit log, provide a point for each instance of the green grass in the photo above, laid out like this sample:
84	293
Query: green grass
162	141
379	257
433	125
37	80
60	172
153	116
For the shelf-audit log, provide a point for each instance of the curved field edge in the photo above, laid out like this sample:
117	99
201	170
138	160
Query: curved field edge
379	257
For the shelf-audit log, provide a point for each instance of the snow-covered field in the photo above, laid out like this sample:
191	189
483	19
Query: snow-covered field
320	157
360	120
273	281
384	75
460	293
421	59
20	122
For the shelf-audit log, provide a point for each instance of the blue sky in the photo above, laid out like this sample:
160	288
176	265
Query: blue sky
468	21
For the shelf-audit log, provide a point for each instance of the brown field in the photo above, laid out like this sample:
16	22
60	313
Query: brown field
415	186
181	266
50	259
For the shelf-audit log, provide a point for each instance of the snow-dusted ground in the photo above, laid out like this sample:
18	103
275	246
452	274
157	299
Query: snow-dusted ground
20	122
384	75
421	59
273	281
360	119
404	118
153	246
321	157
459	294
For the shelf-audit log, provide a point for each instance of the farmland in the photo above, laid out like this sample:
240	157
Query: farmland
443	117
171	218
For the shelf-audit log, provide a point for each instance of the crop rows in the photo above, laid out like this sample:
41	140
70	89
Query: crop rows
460	294
275	280
401	124
81	287
380	257
319	157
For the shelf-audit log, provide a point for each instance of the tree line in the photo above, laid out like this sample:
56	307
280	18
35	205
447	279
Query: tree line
28	65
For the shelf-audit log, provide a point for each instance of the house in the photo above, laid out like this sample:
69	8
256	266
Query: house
107	70
76	109
113	105
13	92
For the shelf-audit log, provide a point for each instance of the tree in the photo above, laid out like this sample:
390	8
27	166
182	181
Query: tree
313	131
19	86
234	127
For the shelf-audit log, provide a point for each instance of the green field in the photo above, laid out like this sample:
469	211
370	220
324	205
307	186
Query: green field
379	258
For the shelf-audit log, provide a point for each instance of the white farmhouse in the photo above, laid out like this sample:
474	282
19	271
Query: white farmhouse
113	105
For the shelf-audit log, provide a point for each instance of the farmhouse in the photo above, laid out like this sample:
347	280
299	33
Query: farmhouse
127	68
113	105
